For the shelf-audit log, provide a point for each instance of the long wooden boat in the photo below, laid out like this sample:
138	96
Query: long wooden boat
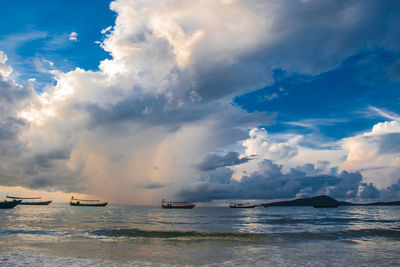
9	204
23	202
241	206
36	203
87	202
176	205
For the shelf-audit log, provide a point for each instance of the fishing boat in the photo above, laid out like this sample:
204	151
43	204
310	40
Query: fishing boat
23	202
241	206
176	205
9	204
87	202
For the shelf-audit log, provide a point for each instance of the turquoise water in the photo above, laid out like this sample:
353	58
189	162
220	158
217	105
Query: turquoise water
60	235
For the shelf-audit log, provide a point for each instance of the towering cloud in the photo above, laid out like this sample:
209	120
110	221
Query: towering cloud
158	115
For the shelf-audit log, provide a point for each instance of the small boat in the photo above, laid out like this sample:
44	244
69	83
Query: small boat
241	206
330	205
9	204
87	202
23	202
176	205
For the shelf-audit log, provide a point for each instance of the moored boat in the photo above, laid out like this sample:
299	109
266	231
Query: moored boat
42	203
241	206
23	202
87	202
176	205
9	204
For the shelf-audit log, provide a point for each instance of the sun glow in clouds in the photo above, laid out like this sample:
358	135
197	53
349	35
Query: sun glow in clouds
166	26
45	105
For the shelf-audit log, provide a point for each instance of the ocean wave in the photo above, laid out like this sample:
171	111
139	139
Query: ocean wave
187	235
390	233
247	237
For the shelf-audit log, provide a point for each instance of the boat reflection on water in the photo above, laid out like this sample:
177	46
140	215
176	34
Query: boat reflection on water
87	202
176	205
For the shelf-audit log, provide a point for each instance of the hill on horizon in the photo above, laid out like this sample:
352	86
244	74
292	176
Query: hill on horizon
318	200
323	200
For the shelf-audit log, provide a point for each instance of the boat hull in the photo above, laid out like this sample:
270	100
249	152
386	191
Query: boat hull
9	204
36	203
178	207
89	205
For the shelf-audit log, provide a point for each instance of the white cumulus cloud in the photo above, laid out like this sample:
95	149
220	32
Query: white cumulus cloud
73	36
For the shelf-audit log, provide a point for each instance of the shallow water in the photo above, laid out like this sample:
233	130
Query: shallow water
58	235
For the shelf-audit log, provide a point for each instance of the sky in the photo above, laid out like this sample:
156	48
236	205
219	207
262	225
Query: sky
207	101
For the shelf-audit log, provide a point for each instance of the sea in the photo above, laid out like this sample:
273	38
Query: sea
60	235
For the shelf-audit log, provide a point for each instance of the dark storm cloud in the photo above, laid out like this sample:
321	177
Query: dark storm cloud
389	143
306	37
11	92
310	170
271	183
326	31
66	181
10	127
216	81
41	163
369	191
146	109
43	160
13	97
228	122
392	192
214	161
59	178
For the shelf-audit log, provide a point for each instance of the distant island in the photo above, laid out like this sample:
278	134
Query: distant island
324	201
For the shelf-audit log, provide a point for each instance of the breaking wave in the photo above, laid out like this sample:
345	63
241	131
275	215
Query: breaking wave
248	237
187	235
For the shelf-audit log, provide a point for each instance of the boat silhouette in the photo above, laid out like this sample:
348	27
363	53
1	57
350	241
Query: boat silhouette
87	202
9	204
23	202
176	205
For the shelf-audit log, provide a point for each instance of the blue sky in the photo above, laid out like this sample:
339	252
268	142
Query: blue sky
33	30
204	100
336	103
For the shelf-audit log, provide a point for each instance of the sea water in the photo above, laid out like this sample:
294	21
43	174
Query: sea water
60	235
